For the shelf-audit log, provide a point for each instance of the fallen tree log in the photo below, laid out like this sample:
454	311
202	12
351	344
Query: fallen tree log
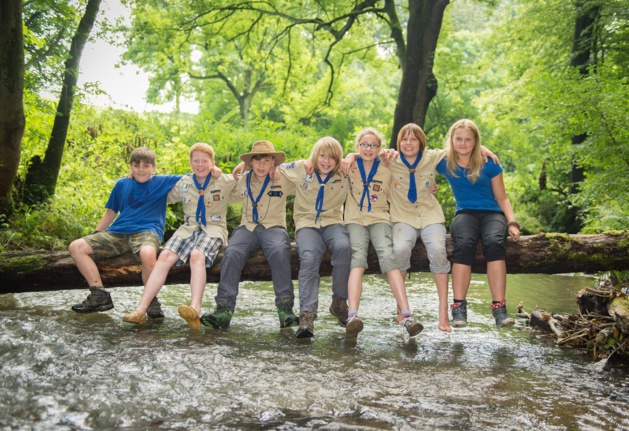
542	253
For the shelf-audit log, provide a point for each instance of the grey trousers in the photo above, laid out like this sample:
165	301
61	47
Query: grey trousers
312	244
275	244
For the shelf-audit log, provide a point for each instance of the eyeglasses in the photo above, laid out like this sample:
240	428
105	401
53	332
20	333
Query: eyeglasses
366	145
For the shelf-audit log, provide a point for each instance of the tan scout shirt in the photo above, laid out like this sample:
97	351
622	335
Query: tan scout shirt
272	204
426	210
216	197
307	189
378	194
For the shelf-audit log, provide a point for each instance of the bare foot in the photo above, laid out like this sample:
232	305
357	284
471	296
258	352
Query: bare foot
445	328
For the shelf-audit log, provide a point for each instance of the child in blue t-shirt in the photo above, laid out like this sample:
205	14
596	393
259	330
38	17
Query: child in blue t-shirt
483	211
134	221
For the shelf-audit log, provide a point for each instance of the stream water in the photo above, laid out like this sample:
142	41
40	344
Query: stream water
65	371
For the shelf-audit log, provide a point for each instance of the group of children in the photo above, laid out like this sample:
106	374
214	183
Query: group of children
383	198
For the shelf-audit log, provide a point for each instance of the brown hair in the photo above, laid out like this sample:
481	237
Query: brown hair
142	154
415	130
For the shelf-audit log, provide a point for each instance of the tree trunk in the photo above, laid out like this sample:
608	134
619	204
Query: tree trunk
41	179
12	121
419	84
542	253
583	42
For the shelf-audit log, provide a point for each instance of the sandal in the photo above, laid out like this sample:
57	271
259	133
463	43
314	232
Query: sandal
136	317
190	315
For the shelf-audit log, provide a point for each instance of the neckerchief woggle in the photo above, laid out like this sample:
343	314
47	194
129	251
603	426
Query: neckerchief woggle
367	180
319	202
412	190
200	216
254	202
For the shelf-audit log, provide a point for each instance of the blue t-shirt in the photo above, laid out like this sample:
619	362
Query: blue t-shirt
140	206
472	196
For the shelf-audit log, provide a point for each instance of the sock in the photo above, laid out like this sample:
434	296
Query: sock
406	313
351	313
496	302
458	300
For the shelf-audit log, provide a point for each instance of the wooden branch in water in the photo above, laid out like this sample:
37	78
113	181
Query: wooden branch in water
542	253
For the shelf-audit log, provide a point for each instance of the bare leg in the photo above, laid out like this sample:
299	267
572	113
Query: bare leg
81	253
156	279
396	282
355	287
497	279
198	276
441	280
148	257
461	277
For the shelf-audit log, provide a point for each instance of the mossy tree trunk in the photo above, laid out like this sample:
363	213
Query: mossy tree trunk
12	121
41	179
543	253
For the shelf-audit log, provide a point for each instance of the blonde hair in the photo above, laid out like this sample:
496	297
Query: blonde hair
142	154
204	148
331	148
476	163
369	131
415	130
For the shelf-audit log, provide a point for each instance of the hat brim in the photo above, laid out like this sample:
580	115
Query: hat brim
279	157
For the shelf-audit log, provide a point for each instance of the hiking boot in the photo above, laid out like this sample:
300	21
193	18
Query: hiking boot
306	325
220	319
338	308
98	300
287	316
155	309
412	327
459	314
353	327
135	317
500	314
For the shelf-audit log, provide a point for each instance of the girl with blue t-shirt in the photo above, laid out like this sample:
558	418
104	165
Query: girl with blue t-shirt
483	211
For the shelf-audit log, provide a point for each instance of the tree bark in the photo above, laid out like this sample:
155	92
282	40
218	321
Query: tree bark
542	253
419	84
41	179
583	50
12	120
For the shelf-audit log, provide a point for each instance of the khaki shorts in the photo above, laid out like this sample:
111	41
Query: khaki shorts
108	244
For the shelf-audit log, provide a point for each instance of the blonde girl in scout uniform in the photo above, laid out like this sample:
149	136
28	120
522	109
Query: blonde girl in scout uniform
318	215
263	225
367	219
200	237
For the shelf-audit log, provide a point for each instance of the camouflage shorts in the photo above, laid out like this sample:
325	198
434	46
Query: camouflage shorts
108	244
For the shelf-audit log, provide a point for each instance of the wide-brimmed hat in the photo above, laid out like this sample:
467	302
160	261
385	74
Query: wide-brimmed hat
263	147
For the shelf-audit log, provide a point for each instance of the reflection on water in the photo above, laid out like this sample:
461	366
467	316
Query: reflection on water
62	370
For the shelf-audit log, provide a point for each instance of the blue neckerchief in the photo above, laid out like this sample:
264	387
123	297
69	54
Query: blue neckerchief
412	190
319	202
367	180
200	216
254	202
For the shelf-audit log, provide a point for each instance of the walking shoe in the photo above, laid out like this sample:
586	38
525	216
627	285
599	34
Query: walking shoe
190	315
155	309
98	300
459	314
306	325
353	327
338	308
135	317
500	314
412	327
220	319
287	316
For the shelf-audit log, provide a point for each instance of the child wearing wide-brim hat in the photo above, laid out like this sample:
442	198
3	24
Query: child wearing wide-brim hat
262	226
260	148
